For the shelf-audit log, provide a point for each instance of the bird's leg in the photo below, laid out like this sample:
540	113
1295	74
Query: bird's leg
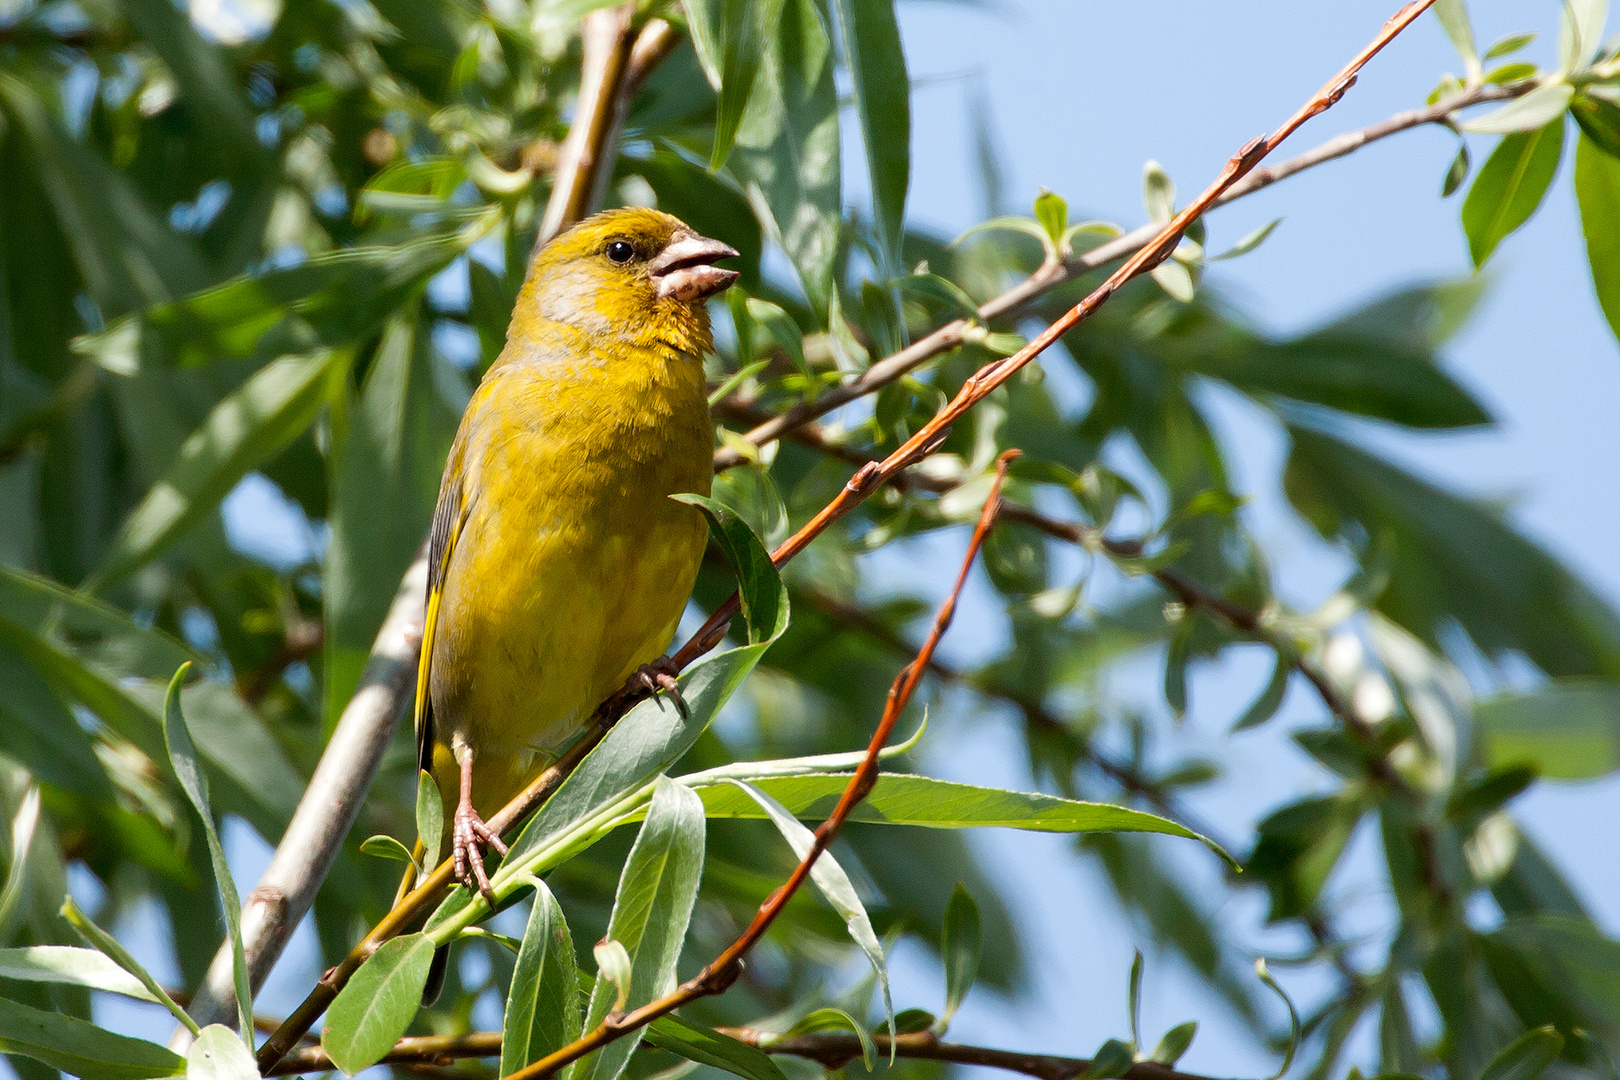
660	675
469	835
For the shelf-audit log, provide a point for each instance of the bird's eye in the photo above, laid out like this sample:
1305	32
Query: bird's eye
620	251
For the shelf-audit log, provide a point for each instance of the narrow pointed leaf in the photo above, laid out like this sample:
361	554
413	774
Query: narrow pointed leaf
833	883
377	1004
1597	190
78	1047
542	1005
183	757
650	914
244	430
877	67
1510	186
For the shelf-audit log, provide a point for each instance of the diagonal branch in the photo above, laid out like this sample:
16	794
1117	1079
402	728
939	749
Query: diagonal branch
718	975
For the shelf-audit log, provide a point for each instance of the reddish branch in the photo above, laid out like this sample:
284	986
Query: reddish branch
718	975
865	481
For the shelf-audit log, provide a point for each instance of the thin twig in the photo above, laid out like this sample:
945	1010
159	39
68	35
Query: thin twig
832	1049
1050	275
718	975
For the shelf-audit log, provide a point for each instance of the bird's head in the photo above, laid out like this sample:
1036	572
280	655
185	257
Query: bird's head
636	274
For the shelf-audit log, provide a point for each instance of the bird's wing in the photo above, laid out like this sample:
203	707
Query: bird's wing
448	517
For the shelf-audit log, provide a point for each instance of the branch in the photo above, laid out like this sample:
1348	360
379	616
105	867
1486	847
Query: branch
831	1049
835	1049
1050	275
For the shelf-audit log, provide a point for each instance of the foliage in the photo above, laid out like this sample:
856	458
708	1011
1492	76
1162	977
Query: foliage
275	258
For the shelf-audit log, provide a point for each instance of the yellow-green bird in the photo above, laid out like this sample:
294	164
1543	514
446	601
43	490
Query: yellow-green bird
558	564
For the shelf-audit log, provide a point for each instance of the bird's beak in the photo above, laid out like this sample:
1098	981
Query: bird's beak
685	269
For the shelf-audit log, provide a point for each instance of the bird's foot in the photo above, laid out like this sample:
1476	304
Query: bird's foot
469	837
660	675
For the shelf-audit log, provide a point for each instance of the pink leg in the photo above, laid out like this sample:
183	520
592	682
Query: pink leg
469	835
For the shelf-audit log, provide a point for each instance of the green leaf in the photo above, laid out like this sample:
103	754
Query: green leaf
877	67
542	1004
183	757
383	846
1158	193
429	818
206	80
97	631
1526	1057
1453	15
218	1054
763	597
613	970
1599	119
1176	658
1053	214
244	430
1249	242
730	38
1134	999
787	153
1264	972
1270	700
81	1048
1456	173
1597	190
73	966
377	1004
1298	848
1580	31
1541	107
36	729
905	799
110	946
1508	45
706	1046
1567	729
650	913
339	298
829	1018
1174	1044
1510	186
833	884
15	892
128	256
1453	558
1113	1059
959	950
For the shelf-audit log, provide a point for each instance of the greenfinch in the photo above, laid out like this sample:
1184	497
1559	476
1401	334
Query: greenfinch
558	564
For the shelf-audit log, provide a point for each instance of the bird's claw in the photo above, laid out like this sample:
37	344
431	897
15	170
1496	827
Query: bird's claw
660	675
469	836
